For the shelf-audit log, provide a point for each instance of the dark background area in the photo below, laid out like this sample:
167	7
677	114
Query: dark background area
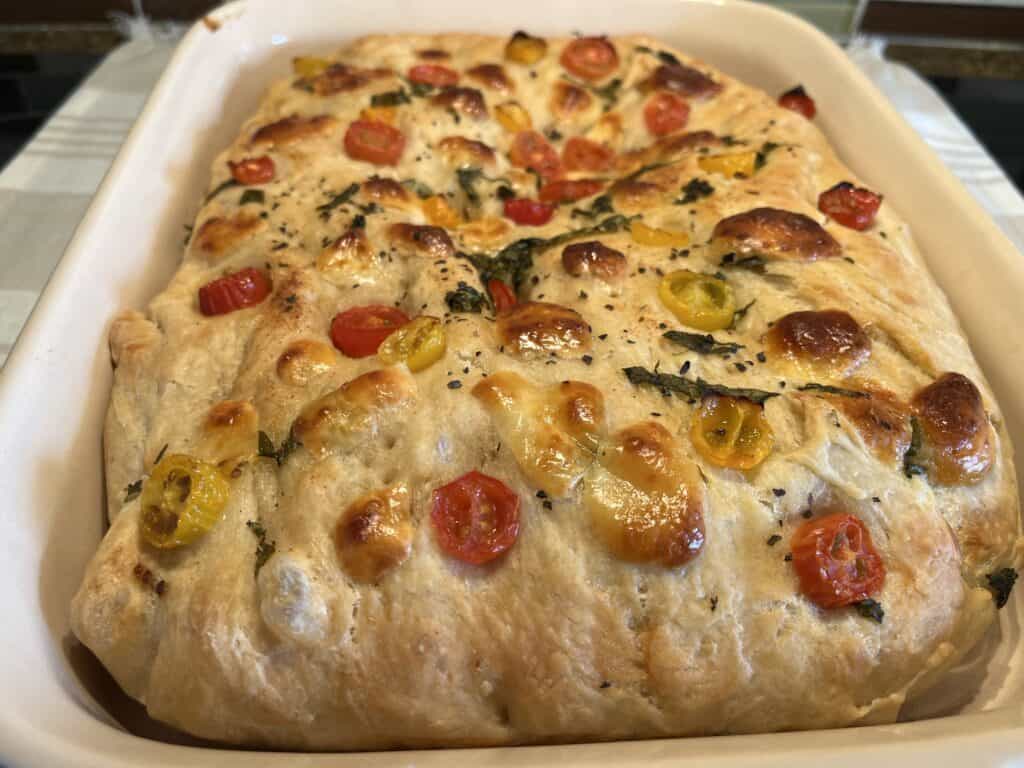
973	55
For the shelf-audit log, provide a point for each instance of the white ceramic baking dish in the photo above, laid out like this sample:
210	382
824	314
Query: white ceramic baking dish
53	391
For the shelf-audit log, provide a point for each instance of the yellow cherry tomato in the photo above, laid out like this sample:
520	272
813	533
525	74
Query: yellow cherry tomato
700	301
660	238
379	114
513	117
729	165
440	213
525	49
309	66
182	500
731	432
419	343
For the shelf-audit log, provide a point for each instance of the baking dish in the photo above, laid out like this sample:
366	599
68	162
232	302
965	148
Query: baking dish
54	706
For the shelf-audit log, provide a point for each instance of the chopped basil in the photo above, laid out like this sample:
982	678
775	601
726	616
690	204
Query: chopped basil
467	177
251	196
611	224
420	89
160	455
339	199
830	390
266	448
264	548
702	343
870	609
510	265
358	221
751	263
664	56
608	93
421	190
390	98
669	383
694	190
600	206
1001	584
762	154
740	313
132	491
643	169
220	188
910	466
465	298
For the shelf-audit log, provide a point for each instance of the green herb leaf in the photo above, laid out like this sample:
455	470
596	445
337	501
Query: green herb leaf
643	169
702	343
340	199
510	265
740	313
870	609
751	263
664	56
694	190
608	93
132	491
264	548
419	90
220	188
251	196
611	224
160	455
762	154
1001	584
910	465
390	98
828	389
692	389
601	205
467	177
465	298
265	447
421	190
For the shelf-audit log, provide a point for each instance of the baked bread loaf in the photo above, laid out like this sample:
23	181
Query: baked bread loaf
522	391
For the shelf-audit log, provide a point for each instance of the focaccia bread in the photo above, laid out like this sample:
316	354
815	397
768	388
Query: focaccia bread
522	391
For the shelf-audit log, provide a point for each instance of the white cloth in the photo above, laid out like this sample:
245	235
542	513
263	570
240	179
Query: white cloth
46	188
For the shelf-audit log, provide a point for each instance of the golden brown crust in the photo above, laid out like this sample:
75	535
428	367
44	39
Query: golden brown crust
774	234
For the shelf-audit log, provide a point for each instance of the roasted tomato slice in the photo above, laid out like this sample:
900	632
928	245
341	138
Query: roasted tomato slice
419	344
502	295
797	100
530	213
853	207
182	500
374	142
731	432
591	58
581	154
569	191
531	150
835	561
476	517
358	332
433	74
238	290
252	170
666	113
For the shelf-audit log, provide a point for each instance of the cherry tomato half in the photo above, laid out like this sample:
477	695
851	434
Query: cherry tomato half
358	332
528	212
590	58
797	100
569	191
581	154
252	170
666	113
476	517
835	561
531	150
238	290
502	295
731	432
374	142
433	74
853	207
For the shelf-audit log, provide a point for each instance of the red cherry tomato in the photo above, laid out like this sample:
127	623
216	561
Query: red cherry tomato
531	150
374	142
835	561
566	191
476	517
359	331
666	113
581	154
529	213
252	170
235	291
433	74
853	207
502	295
797	100
591	58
